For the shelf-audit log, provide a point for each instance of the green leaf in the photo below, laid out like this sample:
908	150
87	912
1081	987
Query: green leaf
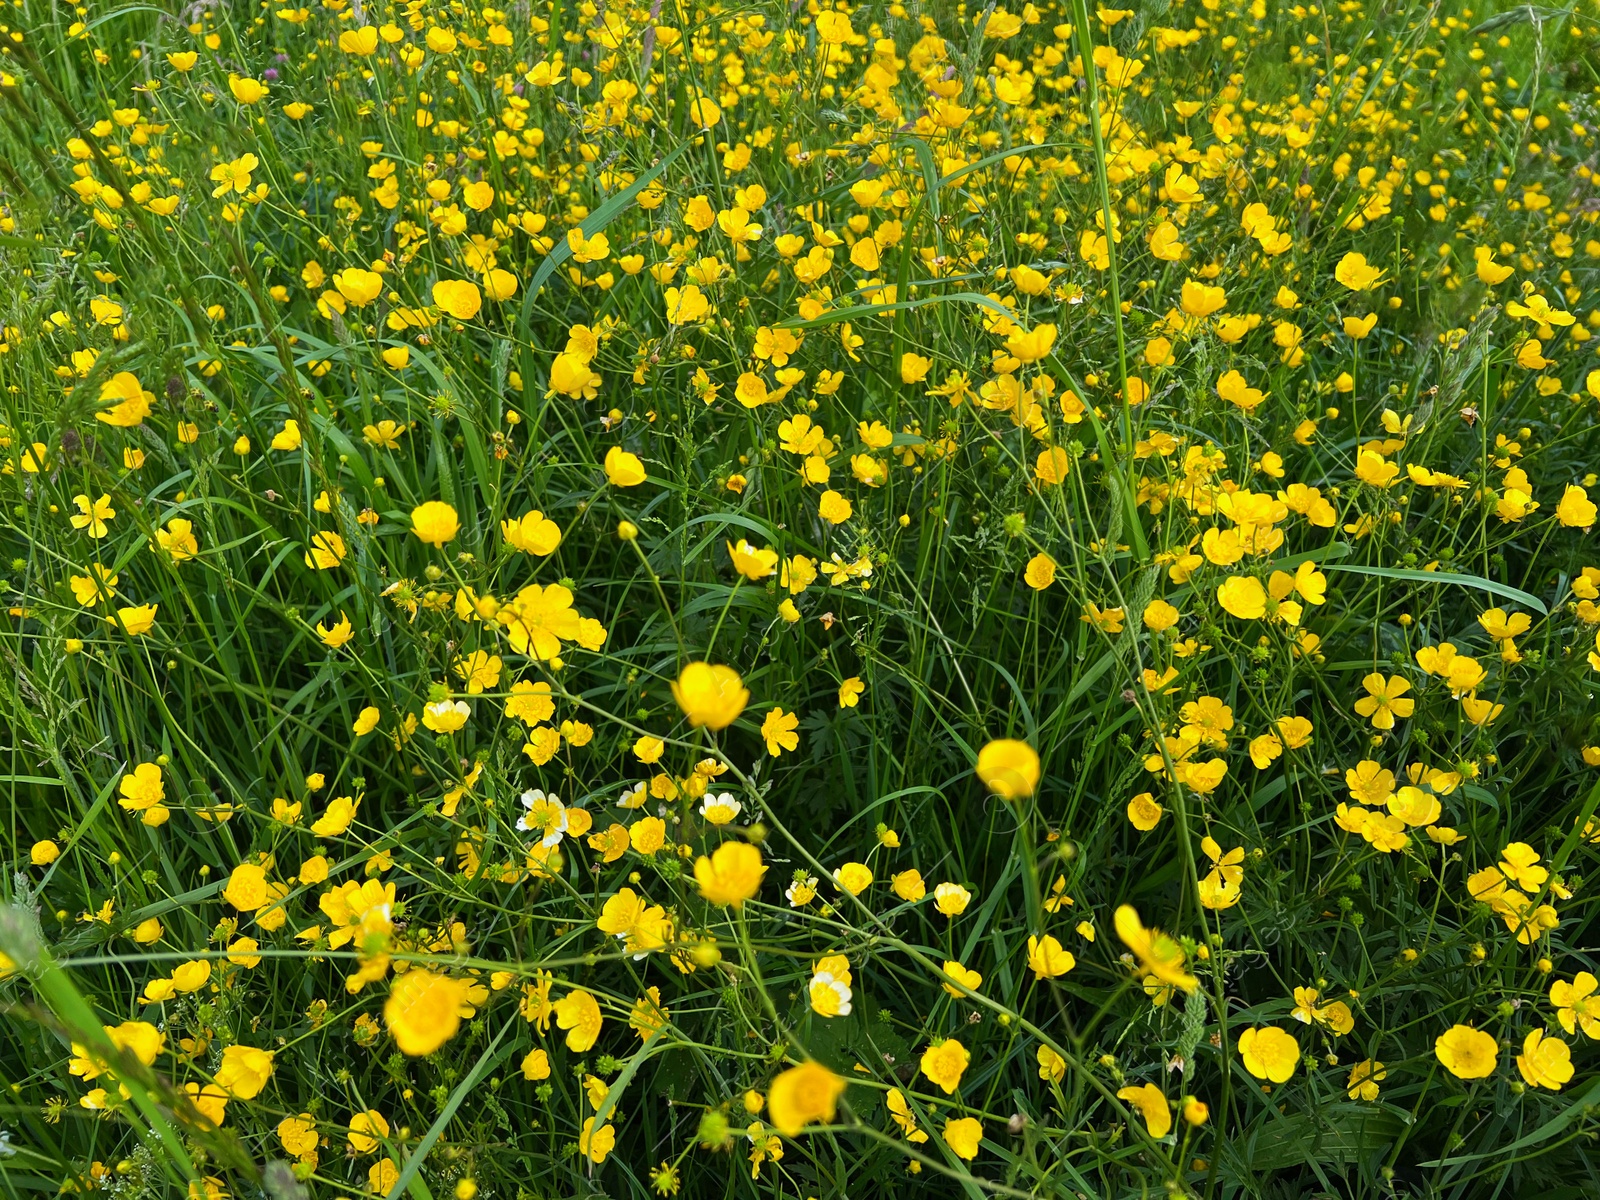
347	449
487	1061
1577	1108
653	1045
1334	1135
1470	581
860	311
1121	482
123	12
930	175
1000	155
591	225
1530	14
55	987
95	809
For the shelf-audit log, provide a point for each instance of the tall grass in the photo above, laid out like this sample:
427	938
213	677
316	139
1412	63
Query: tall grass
1026	401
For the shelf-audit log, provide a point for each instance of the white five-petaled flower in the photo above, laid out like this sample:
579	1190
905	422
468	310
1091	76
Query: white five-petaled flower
801	892
825	981
545	816
720	809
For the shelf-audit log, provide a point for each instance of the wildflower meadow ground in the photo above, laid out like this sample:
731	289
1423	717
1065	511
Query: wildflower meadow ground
736	599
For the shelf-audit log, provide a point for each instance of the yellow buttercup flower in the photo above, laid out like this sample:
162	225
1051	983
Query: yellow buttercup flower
1040	572
1159	955
358	285
623	468
360	42
709	695
532	533
1467	1053
1243	596
246	90
327	551
802	1096
336	635
963	1135
93	516
435	523
1152	1105
944	1063
834	28
1009	768
244	1071
1269	1053
1385	700
423	1010
1576	510
730	875
1356	273
458	297
1047	958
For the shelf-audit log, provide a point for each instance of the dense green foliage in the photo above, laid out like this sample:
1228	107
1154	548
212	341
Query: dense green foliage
401	400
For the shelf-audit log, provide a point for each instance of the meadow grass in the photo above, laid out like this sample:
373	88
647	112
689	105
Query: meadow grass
775	600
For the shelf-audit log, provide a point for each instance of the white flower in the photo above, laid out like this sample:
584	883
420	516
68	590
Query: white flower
719	810
545	816
823	983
